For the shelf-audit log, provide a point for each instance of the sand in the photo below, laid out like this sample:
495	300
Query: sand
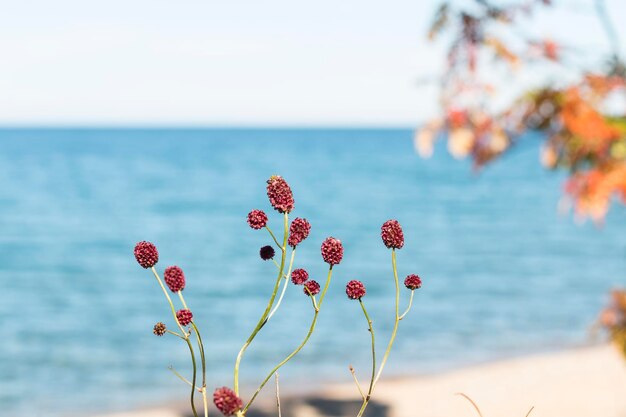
585	382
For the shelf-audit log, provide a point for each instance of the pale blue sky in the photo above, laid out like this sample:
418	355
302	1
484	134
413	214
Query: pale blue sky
203	62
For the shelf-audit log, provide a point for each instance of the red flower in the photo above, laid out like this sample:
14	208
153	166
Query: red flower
174	278
355	290
299	276
257	219
412	282
184	317
146	254
311	287
280	195
391	233
227	401
332	251
298	231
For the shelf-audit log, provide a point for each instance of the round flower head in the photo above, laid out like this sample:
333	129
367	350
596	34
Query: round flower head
280	195
267	253
299	276
159	329
391	233
174	278
355	290
298	231
227	401
146	254
412	282
257	219
332	251
184	317
311	287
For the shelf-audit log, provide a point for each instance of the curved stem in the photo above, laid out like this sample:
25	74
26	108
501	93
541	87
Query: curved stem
371	328
397	318
169	300
282	293
274	237
267	309
199	339
366	398
409	307
182	378
393	333
193	378
299	348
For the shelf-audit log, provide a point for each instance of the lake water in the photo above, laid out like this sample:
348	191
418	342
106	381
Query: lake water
504	274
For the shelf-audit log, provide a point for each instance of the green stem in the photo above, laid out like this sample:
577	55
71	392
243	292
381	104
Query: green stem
366	399
371	328
393	333
410	304
299	348
282	293
269	305
274	237
193	378
397	317
169	300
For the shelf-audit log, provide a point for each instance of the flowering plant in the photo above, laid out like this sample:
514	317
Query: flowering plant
228	401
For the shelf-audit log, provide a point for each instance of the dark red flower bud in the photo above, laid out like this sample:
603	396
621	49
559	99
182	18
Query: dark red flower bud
184	317
391	233
332	251
267	253
298	231
299	276
159	329
280	195
227	401
174	278
146	254
412	282
355	289
311	287
257	219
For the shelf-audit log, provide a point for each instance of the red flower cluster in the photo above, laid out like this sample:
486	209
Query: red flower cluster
146	254
184	317
227	401
412	282
280	195
267	253
311	287
391	233
257	219
174	278
298	231
355	290
332	251
299	276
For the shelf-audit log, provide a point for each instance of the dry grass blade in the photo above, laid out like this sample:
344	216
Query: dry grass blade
473	403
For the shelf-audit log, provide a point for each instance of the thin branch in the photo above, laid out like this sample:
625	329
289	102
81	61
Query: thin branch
472	402
278	396
357	382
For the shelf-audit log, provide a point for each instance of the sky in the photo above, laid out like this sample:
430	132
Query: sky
248	63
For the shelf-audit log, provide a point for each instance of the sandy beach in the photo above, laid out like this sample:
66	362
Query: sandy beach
584	382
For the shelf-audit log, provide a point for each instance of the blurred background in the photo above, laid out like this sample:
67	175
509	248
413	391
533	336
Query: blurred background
159	121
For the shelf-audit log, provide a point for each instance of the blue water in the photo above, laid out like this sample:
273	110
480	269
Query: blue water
504	273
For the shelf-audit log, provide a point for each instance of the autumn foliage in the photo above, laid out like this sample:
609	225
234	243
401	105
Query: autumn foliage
582	120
